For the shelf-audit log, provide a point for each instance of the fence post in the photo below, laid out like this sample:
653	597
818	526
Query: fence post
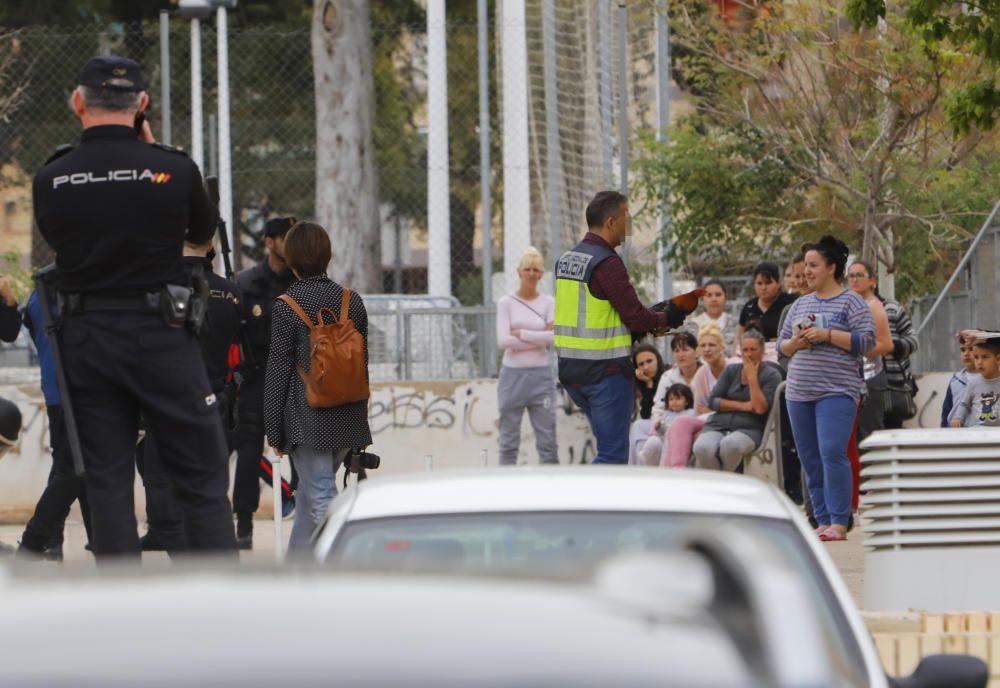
484	152
165	124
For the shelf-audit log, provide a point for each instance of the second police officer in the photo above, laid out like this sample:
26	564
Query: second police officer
224	318
117	210
261	284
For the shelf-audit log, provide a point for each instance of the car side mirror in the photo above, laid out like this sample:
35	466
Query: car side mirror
947	671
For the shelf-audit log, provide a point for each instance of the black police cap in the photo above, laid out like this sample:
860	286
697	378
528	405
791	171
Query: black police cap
278	226
113	73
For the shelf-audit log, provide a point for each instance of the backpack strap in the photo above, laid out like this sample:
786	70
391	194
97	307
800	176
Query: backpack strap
293	304
345	304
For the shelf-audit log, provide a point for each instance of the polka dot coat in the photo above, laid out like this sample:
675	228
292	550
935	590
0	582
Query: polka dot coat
288	419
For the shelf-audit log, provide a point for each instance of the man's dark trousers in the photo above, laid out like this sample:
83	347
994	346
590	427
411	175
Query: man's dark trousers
121	363
63	488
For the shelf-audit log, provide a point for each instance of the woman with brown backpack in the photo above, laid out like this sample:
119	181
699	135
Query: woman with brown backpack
316	384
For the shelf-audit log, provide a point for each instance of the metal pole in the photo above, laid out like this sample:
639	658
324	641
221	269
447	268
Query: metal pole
165	133
663	135
553	156
623	97
225	159
213	148
484	151
604	86
438	177
623	112
961	266
279	539
516	173
197	125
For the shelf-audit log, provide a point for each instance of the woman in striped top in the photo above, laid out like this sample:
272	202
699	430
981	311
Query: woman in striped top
824	337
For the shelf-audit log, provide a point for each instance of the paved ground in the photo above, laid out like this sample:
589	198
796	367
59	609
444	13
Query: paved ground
849	556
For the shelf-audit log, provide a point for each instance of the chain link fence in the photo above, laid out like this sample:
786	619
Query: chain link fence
581	76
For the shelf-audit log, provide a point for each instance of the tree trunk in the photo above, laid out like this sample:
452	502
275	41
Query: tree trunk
346	186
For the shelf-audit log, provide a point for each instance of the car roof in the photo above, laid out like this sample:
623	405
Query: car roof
240	628
565	488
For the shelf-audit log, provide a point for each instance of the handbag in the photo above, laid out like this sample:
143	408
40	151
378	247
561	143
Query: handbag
900	404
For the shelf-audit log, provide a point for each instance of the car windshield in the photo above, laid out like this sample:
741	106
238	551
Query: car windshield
571	543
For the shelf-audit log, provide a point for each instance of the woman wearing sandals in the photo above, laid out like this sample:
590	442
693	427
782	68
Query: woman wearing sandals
525	333
824	336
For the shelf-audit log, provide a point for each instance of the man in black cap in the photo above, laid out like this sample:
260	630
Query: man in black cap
116	209
261	285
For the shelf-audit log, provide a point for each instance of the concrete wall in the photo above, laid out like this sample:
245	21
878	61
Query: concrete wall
453	421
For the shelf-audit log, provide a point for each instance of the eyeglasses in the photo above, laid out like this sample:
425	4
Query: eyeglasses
857	275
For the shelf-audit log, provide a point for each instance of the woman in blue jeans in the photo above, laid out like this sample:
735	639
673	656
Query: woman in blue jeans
824	336
317	439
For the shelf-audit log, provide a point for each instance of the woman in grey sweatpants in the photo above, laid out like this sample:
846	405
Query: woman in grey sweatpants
525	333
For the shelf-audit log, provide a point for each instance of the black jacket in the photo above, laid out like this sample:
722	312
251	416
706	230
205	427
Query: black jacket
223	322
260	286
116	211
289	420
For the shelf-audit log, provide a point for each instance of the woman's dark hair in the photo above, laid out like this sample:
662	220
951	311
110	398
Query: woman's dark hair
683	339
307	249
797	258
715	281
640	348
834	252
679	389
769	271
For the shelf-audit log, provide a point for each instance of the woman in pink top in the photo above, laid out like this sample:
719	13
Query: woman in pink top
525	333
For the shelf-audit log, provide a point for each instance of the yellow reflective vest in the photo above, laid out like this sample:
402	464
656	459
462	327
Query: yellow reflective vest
589	333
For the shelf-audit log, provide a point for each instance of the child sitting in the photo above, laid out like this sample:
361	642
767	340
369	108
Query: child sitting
980	402
958	382
680	402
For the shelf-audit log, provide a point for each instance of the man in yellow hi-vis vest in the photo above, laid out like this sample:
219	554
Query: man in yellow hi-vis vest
597	311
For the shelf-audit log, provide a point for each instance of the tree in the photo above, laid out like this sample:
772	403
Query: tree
851	124
346	186
943	25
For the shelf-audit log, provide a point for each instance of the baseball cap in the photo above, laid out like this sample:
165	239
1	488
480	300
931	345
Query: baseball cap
112	72
278	226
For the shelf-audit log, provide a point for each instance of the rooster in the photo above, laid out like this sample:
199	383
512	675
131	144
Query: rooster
679	307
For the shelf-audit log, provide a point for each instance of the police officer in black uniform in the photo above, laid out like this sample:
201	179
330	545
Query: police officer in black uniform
261	285
116	210
222	328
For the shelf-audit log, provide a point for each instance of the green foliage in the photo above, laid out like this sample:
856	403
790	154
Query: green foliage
732	194
973	29
19	278
803	126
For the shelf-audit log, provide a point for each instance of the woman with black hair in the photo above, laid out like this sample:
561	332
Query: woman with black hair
825	336
649	368
763	312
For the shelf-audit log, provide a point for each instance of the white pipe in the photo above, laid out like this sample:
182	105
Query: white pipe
516	180
166	133
279	539
438	179
197	124
225	157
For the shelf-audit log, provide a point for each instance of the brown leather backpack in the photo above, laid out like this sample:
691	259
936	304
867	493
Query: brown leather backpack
336	358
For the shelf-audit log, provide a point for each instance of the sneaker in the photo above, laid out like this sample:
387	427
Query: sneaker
245	542
287	507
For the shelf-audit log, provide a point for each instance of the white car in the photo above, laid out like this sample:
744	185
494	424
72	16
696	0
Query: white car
550	521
